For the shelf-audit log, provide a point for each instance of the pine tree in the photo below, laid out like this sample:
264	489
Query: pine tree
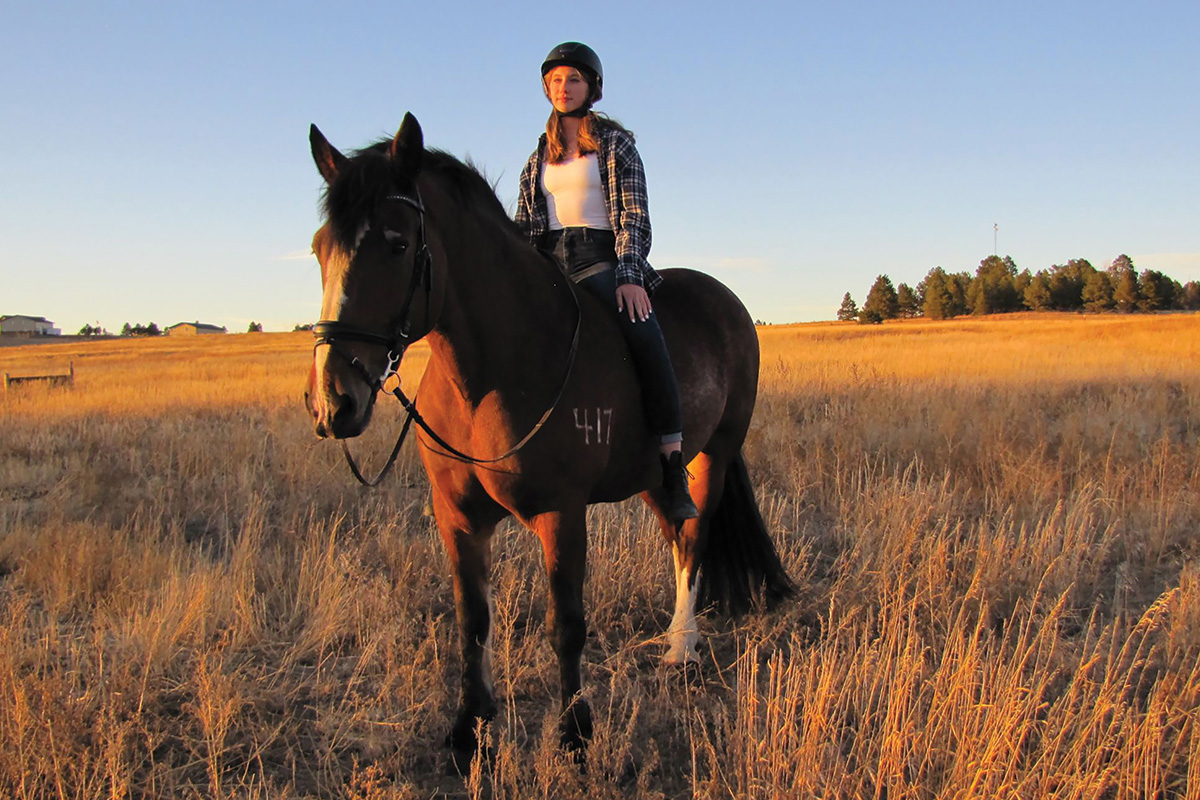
1067	282
908	302
1121	263
939	303
848	311
1156	291
881	303
1098	292
1126	291
1037	293
993	291
1190	297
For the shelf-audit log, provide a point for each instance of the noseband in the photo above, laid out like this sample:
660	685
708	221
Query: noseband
330	332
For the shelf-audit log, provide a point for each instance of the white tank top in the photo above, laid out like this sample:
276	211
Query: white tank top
574	194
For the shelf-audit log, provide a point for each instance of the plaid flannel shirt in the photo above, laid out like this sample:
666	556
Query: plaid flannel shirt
623	179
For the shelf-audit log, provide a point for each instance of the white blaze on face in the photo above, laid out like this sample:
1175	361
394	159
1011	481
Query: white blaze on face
334	298
682	636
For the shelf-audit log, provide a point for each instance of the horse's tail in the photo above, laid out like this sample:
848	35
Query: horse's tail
740	565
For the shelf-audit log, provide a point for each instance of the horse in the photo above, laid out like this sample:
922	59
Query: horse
530	407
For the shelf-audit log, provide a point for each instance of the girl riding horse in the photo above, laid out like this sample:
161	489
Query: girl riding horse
583	198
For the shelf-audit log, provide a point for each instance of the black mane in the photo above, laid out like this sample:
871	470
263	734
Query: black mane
370	175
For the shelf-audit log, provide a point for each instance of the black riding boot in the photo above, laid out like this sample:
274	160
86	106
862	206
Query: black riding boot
675	484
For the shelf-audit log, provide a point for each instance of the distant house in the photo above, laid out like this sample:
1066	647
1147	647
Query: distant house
22	325
192	329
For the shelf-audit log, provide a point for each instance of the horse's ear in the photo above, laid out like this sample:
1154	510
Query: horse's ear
408	146
329	161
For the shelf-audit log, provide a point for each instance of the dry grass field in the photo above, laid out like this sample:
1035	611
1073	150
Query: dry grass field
993	524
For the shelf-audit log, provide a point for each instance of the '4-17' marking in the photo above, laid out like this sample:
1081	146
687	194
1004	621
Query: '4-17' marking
598	432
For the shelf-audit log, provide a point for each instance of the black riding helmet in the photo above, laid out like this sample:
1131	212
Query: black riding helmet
582	58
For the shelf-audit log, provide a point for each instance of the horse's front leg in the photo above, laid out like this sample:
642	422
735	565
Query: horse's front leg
470	553
564	543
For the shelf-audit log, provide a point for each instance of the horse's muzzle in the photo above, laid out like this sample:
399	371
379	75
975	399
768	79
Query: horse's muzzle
339	416
340	407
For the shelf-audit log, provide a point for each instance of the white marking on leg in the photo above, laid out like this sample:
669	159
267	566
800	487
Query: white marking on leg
683	635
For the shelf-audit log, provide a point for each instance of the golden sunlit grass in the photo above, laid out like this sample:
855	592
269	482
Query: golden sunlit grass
992	523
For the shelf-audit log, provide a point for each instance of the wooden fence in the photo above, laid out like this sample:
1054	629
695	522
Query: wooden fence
60	379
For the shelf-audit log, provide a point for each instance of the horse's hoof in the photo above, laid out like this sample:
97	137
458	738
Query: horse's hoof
465	751
470	720
463	740
461	737
460	762
575	729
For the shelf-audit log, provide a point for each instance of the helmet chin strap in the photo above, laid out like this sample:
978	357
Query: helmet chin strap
582	111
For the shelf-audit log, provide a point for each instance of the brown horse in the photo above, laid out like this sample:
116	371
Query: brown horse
416	244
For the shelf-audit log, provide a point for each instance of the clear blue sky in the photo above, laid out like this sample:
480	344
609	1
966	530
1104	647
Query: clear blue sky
154	161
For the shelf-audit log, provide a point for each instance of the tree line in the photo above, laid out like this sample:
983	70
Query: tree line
137	329
997	287
153	330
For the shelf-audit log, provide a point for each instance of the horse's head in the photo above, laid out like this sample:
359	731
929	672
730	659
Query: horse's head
376	273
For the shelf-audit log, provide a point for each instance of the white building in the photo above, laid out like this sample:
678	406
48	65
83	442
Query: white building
27	326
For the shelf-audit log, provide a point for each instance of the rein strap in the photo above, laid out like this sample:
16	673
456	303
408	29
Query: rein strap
411	407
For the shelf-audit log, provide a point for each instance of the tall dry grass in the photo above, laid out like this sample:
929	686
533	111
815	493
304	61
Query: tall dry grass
992	523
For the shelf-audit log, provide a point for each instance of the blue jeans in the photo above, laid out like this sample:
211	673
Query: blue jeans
583	251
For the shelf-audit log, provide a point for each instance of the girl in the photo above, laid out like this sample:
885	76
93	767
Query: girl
583	198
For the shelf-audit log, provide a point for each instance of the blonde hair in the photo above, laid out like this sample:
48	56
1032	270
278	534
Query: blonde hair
556	148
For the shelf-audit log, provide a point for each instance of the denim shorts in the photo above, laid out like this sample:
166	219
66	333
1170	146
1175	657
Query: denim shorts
581	252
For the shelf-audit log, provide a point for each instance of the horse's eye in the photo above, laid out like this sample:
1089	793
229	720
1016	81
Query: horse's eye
397	242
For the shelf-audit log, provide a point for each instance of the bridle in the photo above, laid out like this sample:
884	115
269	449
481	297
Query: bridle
330	332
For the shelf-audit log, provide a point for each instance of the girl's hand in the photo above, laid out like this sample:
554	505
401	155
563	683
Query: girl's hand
633	299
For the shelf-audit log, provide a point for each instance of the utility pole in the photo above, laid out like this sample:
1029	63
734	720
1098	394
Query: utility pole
995	238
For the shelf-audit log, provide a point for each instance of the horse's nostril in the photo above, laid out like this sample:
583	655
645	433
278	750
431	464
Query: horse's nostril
343	415
343	406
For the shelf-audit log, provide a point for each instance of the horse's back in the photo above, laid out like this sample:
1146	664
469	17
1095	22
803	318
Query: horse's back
599	441
714	350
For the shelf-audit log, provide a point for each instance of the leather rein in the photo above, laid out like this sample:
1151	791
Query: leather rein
330	332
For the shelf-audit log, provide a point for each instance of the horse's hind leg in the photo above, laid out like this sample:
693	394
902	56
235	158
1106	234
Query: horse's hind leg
564	544
470	553
687	549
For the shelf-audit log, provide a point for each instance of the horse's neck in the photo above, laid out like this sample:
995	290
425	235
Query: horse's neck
507	319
